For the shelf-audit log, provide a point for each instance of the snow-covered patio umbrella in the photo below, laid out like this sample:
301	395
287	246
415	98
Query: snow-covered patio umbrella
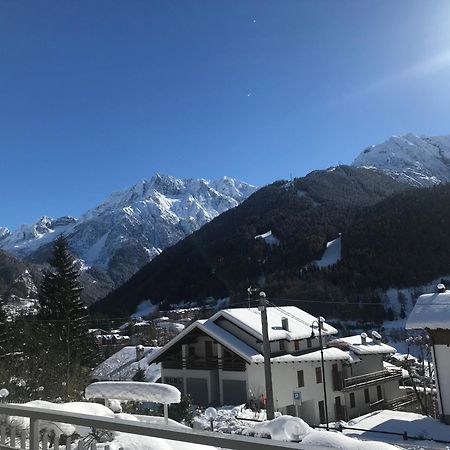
135	391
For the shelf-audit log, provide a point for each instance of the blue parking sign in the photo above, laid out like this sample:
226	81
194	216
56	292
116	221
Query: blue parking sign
297	396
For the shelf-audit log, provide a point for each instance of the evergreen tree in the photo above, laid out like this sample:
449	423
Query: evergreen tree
5	334
139	375
65	346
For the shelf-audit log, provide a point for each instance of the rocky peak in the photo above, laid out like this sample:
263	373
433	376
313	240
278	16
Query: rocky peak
417	160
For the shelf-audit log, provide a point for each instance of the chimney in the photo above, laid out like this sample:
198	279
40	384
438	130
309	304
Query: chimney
363	339
441	288
322	323
376	337
285	323
139	352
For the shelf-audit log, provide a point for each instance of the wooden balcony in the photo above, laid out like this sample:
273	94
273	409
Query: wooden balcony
363	381
235	364
172	363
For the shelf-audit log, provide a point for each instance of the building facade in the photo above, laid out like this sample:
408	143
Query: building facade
432	313
219	362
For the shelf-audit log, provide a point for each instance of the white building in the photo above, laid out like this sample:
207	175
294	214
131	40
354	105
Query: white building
432	313
219	361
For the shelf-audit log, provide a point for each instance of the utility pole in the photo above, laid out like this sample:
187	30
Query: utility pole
320	320
270	410
68	355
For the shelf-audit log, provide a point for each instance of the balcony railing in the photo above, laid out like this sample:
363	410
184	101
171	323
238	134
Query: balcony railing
362	381
202	363
33	439
172	363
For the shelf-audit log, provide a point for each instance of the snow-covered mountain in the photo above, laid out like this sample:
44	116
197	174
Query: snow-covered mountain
133	225
417	160
30	237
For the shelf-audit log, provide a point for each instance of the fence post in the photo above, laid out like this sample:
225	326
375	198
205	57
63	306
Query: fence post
166	414
34	434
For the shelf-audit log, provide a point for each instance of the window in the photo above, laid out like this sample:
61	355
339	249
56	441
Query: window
191	351
318	375
300	378
366	395
308	342
352	400
173	380
282	346
379	393
297	345
322	411
208	349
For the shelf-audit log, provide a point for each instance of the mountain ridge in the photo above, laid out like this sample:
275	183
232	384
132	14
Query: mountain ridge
301	215
417	160
131	226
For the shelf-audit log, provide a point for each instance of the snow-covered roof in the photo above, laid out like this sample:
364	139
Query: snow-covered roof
217	333
329	354
123	365
431	311
371	347
249	319
230	341
171	326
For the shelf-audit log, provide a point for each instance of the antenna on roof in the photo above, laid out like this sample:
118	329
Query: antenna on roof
250	292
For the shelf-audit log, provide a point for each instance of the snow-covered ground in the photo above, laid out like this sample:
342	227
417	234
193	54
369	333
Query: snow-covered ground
237	420
400	422
331	255
269	238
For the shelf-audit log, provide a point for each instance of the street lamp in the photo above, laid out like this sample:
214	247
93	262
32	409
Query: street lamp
211	415
320	320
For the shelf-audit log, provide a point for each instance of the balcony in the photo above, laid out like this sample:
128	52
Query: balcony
172	363
235	364
363	381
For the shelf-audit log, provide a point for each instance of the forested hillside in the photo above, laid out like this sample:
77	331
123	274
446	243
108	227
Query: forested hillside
402	241
223	258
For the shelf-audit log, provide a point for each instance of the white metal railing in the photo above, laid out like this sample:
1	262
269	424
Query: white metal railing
371	378
35	442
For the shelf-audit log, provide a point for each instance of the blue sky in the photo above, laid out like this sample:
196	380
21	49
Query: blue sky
96	95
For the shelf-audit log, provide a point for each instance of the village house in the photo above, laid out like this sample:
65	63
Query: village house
124	364
432	313
219	362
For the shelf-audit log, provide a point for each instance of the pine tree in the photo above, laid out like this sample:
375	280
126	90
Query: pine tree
62	315
5	334
139	375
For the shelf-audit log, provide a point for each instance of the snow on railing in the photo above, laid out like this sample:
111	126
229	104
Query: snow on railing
32	439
